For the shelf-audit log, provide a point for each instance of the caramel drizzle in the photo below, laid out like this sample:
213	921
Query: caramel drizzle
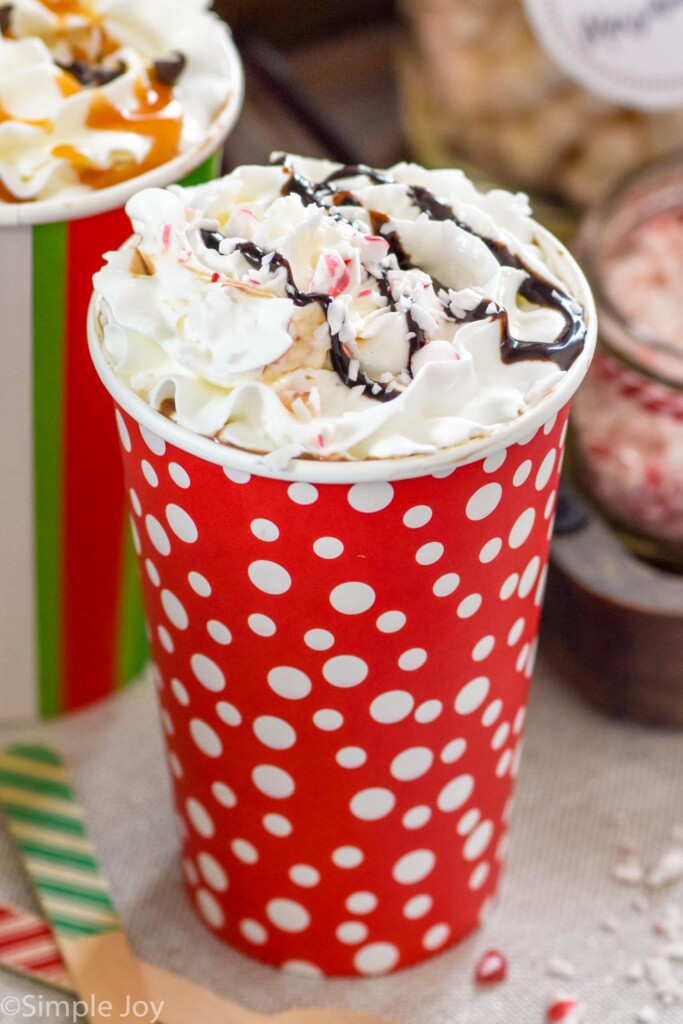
156	115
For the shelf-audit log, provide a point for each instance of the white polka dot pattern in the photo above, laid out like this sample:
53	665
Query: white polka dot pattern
342	672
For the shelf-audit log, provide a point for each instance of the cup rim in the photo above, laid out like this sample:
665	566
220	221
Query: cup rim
48	211
368	470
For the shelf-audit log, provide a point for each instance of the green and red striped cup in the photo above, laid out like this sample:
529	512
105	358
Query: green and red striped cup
71	624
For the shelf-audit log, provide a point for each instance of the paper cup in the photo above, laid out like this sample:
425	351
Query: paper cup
70	622
343	656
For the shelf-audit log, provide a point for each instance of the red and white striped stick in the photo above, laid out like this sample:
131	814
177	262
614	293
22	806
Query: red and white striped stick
27	947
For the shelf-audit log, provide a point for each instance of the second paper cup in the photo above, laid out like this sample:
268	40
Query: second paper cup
71	625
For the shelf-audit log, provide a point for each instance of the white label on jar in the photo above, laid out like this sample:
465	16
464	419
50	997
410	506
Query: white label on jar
629	51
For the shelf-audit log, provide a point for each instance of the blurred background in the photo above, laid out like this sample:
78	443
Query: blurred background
443	81
320	80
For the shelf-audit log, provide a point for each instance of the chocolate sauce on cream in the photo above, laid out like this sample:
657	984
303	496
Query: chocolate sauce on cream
256	257
534	289
93	74
169	69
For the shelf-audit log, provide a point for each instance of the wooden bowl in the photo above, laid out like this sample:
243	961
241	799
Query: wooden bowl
613	623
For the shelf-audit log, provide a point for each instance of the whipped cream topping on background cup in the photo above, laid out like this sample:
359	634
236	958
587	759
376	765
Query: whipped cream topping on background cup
342	646
97	92
71	626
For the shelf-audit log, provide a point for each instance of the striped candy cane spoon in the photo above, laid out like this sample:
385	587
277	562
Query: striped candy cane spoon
27	947
47	826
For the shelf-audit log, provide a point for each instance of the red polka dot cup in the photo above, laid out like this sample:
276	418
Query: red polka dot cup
342	653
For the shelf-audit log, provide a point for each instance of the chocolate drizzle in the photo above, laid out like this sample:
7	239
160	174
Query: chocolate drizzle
5	17
257	257
93	74
169	69
534	289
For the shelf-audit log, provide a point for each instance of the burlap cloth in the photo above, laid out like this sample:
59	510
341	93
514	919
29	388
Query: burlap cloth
586	785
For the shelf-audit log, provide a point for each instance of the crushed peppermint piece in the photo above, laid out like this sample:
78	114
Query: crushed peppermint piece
611	924
674	951
314	400
491	968
560	968
338	320
352	372
659	973
670	992
462	301
332	275
657	970
634	972
668	869
301	410
563	1009
424	319
227	246
280	458
669	923
648	1015
628	869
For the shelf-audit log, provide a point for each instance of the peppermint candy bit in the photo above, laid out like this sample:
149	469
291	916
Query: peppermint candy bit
491	968
565	1010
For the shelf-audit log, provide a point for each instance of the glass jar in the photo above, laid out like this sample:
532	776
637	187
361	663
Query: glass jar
478	87
628	418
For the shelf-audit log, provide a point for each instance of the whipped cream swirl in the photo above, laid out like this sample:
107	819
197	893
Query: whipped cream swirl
305	309
93	92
